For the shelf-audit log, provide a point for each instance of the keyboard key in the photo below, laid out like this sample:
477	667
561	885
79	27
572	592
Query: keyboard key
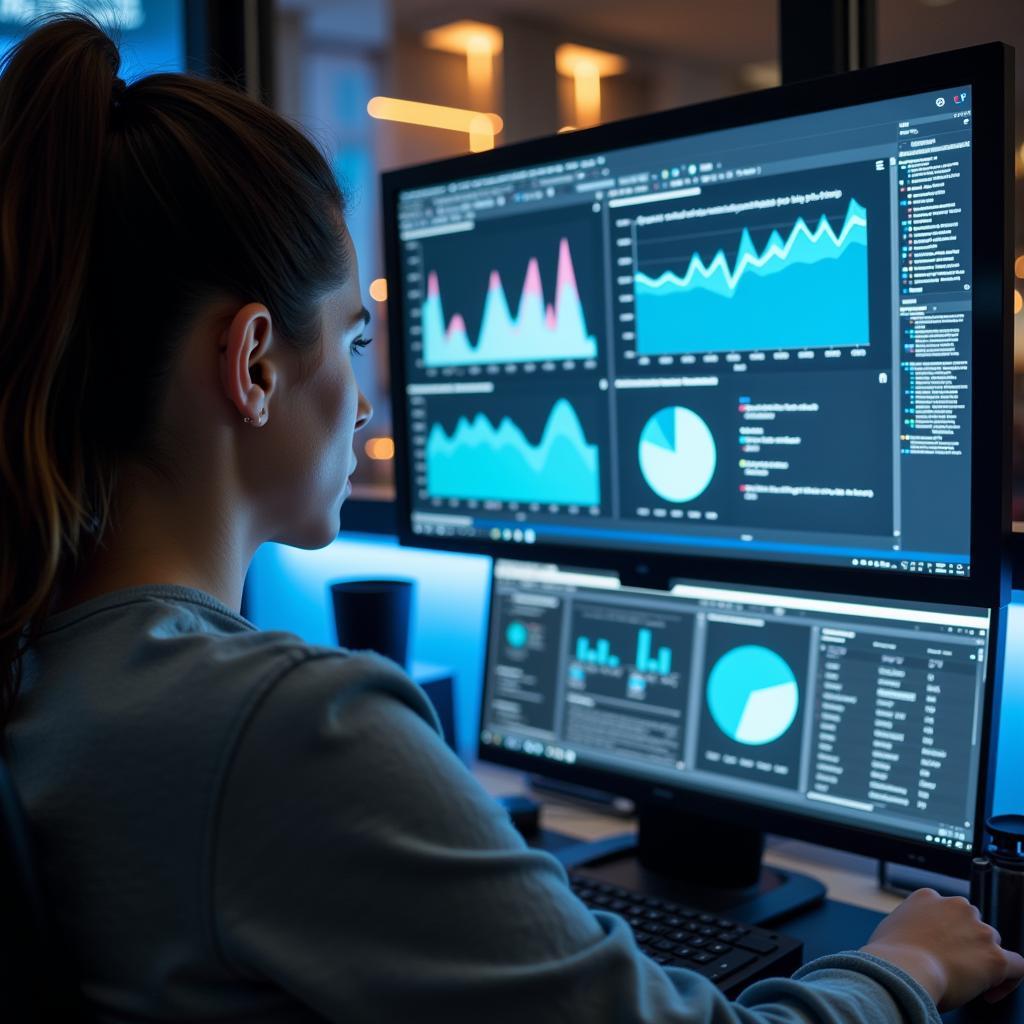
757	943
675	935
723	966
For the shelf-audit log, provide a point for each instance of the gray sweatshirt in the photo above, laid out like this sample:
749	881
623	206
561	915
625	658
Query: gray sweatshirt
235	825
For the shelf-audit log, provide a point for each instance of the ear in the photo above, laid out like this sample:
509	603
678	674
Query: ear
247	372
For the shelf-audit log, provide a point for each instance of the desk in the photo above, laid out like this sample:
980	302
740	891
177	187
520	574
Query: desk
854	905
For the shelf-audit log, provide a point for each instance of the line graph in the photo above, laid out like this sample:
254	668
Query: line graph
538	331
481	461
809	289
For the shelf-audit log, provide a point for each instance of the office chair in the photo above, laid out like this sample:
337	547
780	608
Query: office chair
35	985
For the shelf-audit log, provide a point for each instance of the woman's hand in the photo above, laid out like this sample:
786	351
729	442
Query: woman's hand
942	943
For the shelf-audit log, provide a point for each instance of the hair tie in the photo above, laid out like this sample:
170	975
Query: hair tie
117	88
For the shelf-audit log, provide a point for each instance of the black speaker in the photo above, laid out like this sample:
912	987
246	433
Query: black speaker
374	615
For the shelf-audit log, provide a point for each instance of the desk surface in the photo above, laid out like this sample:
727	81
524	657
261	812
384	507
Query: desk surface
843	922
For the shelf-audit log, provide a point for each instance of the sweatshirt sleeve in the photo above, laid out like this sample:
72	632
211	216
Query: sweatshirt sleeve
360	868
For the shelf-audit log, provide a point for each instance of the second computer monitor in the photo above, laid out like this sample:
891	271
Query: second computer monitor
861	723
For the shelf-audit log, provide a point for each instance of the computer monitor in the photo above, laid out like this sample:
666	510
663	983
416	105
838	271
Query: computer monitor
769	330
860	723
151	34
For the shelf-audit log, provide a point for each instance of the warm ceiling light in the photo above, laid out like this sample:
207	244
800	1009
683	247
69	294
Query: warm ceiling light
586	67
569	58
380	449
481	128
1018	266
1018	301
464	37
479	43
379	289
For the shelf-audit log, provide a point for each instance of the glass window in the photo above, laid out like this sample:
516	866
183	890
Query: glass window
333	57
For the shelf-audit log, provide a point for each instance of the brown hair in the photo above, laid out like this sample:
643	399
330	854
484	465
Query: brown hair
117	202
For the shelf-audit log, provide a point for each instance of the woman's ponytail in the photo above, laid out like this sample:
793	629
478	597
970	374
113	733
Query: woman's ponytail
115	203
55	112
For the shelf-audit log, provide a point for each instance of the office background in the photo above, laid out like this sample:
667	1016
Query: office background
337	66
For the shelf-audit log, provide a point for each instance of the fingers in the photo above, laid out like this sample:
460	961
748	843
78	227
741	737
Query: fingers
1014	974
1015	965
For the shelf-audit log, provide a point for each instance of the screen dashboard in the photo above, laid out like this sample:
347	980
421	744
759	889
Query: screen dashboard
860	713
753	343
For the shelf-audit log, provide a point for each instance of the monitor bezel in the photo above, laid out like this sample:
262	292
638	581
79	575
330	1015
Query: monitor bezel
987	69
806	826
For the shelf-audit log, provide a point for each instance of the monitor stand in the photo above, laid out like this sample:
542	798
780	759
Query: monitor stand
693	860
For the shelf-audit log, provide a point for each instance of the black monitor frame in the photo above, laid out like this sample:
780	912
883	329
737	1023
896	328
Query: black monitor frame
737	812
988	69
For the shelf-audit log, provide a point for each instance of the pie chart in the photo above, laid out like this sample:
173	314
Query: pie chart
752	695
517	634
677	454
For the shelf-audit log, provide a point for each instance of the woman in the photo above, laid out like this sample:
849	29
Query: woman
233	824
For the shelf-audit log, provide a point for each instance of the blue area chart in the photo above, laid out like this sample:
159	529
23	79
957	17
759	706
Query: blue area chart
752	695
536	332
808	290
677	454
487	463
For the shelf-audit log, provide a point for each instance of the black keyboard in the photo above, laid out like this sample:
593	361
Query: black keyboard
731	954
